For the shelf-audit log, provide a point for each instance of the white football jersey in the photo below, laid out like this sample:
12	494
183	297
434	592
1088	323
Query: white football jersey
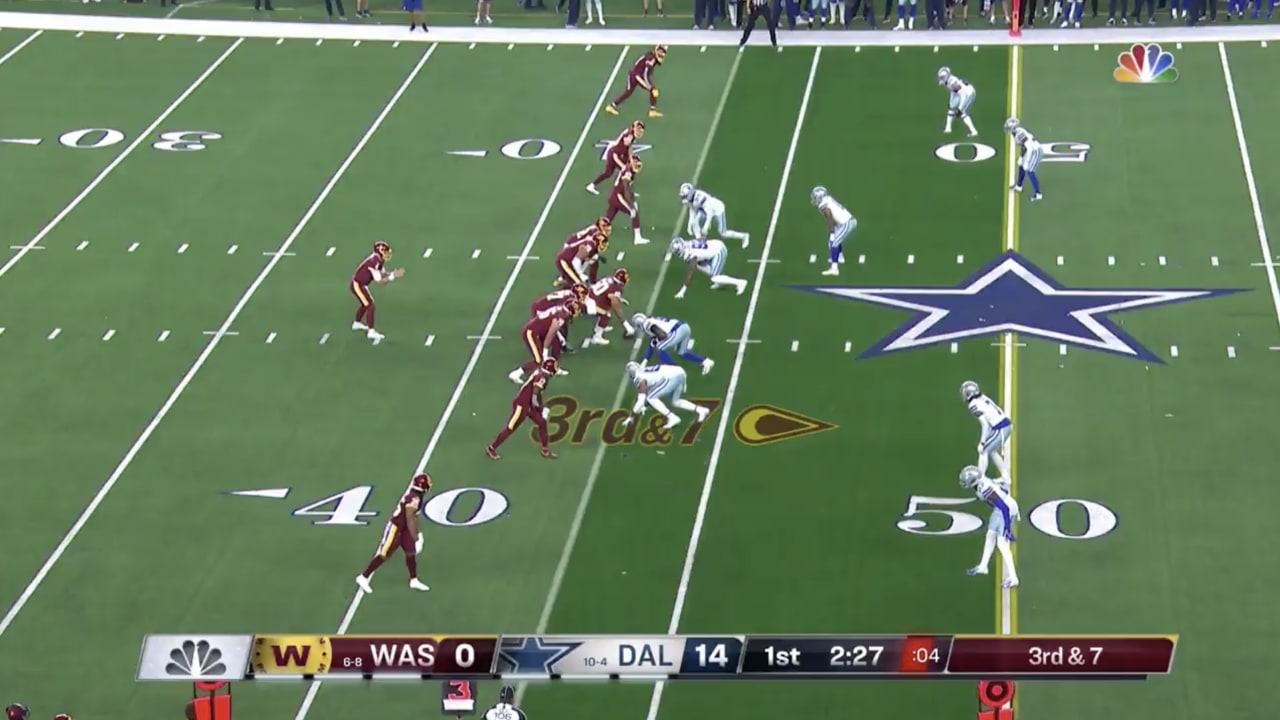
666	325
992	493
503	711
661	379
702	250
706	202
987	412
839	215
959	86
1023	136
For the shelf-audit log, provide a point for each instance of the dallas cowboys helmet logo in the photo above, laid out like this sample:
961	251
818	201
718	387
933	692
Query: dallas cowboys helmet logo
1010	294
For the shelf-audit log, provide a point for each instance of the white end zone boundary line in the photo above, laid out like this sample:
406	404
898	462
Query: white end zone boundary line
565	36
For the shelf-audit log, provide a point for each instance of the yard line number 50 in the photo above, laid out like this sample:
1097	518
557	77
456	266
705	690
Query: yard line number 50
928	515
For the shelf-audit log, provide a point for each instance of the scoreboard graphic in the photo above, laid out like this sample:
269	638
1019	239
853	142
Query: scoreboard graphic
655	657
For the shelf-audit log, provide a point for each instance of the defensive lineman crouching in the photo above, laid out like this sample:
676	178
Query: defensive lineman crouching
707	257
656	382
669	335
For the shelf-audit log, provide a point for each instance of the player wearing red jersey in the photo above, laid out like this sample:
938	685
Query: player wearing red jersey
605	302
574	260
555	299
641	76
371	270
617	156
401	531
528	404
541	337
622	199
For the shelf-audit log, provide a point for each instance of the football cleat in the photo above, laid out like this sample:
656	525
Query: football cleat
621	275
660	52
637	129
816	195
970	476
611	109
363	583
493	454
382	249
979	570
686	191
546	453
551	365
416	584
702	413
655	113
580	292
420	483
969	390
944	74
1010	125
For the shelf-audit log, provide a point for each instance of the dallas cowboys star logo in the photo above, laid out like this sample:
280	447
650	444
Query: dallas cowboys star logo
1012	295
532	654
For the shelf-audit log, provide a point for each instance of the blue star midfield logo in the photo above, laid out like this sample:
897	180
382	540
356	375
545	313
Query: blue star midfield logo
532	654
1010	294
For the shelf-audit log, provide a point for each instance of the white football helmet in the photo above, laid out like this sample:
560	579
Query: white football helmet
677	246
816	195
639	321
969	390
944	75
969	476
633	371
1010	125
686	191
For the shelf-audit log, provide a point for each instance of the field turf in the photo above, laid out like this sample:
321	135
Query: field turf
183	212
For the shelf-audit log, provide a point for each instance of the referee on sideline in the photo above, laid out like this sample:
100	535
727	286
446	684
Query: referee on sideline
759	9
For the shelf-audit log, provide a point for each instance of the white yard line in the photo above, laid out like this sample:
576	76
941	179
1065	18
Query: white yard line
682	590
191	3
1010	241
208	350
575	526
25	42
1267	259
487	333
142	137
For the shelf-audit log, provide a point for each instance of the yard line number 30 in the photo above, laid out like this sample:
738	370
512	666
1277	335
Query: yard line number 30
927	515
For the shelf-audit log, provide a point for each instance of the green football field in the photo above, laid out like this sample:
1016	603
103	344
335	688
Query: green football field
182	213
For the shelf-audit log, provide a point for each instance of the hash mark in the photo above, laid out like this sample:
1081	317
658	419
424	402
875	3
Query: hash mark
1	331
587	48
975	48
426	253
83	244
1111	259
812	259
273	254
475	253
355	44
740	341
182	248
1214	261
219	333
486	338
330	252
1231	351
512	46
857	48
1055	47
108	335
795	345
395	44
133	247
1059	259
691	342
1161	260
620	256
551	47
1173	351
702	49
1178	46
280	41
271	337
80	34
848	346
1062	349
472	46
324	338
319	40
514	257
231	250
1095	47
897	48
26	247
862	259
955	348
959	259
56	332
159	38
911	259
164	335
430	340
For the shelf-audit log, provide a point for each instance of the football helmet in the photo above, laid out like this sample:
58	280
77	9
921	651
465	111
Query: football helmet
579	292
637	129
551	365
636	165
969	476
420	483
621	275
382	249
573	306
507	695
969	390
816	195
633	370
1010	125
944	74
17	711
602	241
604	226
686	191
677	246
639	320
660	52
62	716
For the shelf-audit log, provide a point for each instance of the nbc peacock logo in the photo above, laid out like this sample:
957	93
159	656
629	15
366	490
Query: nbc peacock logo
194	659
1145	64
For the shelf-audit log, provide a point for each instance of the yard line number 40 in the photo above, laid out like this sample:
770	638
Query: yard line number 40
928	515
457	507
